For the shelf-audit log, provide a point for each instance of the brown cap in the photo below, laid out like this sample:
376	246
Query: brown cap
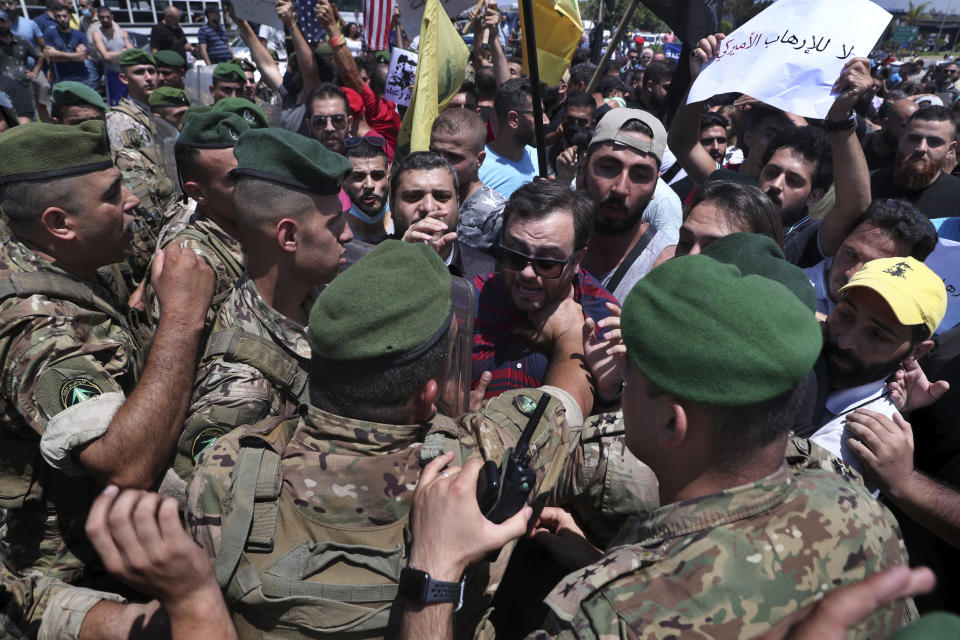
608	130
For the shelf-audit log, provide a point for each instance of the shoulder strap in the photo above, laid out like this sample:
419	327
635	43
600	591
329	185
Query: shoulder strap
281	369
631	257
133	111
253	518
669	174
60	287
223	253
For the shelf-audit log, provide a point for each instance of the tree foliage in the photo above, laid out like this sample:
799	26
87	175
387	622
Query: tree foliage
739	11
915	12
643	19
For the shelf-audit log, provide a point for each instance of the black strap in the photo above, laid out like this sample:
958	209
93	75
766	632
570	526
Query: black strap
631	258
670	173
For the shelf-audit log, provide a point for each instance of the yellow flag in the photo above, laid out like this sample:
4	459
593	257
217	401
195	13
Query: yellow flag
441	63
558	30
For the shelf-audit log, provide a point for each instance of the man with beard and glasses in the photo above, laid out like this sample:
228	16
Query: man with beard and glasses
888	228
511	162
328	116
884	319
368	186
927	140
620	174
546	227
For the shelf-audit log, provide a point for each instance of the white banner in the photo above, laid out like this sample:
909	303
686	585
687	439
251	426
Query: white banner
400	77
790	54
261	11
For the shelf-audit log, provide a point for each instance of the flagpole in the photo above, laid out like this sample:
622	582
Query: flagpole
533	66
612	44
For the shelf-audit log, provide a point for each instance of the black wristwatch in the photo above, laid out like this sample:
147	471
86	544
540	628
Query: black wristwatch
418	586
847	124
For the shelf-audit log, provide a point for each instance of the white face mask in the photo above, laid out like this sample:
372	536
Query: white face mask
369	219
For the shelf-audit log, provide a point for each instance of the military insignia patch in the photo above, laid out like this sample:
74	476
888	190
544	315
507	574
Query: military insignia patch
525	404
204	439
233	133
248	116
76	390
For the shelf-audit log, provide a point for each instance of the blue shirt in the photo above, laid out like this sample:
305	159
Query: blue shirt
44	22
506	176
67	42
218	46
948	228
26	29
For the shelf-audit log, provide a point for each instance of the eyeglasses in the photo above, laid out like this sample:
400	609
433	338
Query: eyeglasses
354	141
569	121
548	268
320	122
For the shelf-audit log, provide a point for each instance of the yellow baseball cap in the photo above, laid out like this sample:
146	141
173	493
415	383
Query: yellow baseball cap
914	292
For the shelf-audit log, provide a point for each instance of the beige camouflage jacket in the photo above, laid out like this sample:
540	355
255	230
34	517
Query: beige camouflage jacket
254	367
731	564
349	473
68	359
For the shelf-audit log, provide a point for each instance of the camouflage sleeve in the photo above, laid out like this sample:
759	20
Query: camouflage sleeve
225	280
58	375
226	395
122	131
207	491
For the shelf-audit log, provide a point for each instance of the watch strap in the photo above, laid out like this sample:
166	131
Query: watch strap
847	124
419	586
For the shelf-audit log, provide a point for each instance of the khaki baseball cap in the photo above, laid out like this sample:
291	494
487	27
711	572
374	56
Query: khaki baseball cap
608	130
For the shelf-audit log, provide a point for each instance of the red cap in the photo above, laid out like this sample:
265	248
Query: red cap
356	102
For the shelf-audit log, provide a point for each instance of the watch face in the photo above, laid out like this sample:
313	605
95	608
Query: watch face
413	584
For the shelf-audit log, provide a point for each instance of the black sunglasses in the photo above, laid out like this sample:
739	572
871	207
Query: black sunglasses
548	268
353	141
320	122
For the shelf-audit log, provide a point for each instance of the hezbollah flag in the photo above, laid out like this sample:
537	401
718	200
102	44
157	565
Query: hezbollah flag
441	63
558	29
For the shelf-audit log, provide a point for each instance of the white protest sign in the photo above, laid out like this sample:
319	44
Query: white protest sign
400	77
411	12
261	11
790	54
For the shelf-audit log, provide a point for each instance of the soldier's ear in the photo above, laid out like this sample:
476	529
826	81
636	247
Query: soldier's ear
123	78
195	191
423	404
673	433
286	231
58	223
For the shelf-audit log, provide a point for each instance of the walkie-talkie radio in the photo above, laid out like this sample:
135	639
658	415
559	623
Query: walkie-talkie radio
502	492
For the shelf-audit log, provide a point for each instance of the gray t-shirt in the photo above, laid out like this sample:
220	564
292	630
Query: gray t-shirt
640	267
480	218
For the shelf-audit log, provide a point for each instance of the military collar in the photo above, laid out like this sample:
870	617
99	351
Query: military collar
717	509
323	431
290	333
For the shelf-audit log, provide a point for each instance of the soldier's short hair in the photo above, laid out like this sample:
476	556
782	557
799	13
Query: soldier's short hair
23	202
258	203
372	391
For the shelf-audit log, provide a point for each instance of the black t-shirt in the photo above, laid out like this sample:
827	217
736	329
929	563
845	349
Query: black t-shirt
802	247
21	98
940	200
875	160
165	37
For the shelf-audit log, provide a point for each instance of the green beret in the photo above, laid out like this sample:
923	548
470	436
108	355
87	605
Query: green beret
360	316
42	151
131	57
244	64
289	158
245	109
169	97
758	254
171	59
229	72
71	94
212	130
703	332
938	625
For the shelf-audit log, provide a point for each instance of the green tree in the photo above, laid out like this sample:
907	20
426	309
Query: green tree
739	11
642	19
915	12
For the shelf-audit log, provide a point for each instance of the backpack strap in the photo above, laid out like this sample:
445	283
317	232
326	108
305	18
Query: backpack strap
442	437
281	369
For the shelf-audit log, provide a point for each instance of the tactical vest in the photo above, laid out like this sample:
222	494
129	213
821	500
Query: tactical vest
20	463
285	372
287	578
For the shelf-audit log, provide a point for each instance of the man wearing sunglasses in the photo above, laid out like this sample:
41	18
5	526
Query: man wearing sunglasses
328	116
546	228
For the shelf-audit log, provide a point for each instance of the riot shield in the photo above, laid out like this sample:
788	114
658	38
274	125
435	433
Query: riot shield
164	139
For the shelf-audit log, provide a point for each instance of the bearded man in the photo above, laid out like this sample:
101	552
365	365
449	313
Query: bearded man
928	139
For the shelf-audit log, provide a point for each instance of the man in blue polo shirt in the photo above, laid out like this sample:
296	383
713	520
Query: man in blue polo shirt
66	48
214	45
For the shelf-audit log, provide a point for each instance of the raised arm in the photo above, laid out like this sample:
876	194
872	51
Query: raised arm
346	65
501	72
269	70
143	434
851	177
684	135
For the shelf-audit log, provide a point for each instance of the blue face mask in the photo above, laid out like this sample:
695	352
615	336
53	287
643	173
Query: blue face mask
86	13
369	219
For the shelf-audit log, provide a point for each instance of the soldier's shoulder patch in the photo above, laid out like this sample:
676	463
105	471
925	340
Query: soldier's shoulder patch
204	439
76	390
525	404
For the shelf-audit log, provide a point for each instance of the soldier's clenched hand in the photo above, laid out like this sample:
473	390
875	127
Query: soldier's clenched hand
184	284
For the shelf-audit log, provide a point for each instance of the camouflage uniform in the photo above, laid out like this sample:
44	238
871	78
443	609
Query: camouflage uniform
254	366
481	219
731	564
68	359
198	232
348	482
